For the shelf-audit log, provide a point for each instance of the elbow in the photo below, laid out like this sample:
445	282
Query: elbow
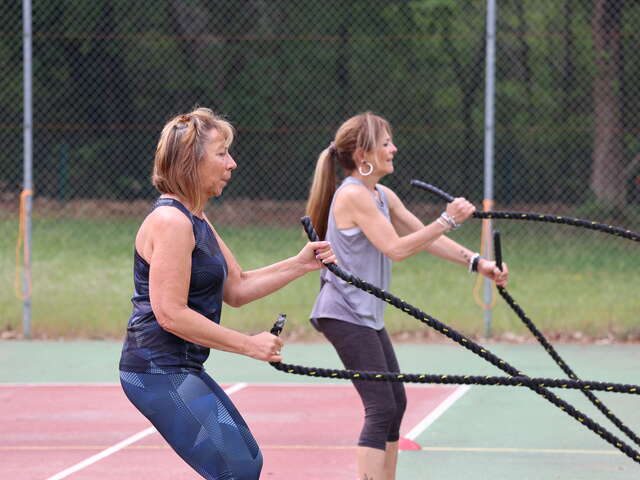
235	292
234	300
165	317
395	255
166	323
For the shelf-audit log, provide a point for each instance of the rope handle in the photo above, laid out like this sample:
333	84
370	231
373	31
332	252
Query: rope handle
279	324
435	190
497	249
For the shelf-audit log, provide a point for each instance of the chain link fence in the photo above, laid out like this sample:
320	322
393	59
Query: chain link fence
109	73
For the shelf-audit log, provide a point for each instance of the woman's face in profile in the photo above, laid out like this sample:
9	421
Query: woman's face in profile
217	165
383	155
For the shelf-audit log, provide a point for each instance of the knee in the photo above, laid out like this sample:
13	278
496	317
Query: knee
383	413
401	406
379	421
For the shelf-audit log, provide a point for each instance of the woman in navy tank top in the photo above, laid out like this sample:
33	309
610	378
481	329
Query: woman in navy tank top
368	227
183	271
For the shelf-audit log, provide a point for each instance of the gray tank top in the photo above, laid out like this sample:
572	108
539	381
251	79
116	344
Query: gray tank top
356	254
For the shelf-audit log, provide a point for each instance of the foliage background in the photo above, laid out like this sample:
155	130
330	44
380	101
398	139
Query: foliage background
109	73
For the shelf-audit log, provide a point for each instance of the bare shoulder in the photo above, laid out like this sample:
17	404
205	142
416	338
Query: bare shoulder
164	225
166	222
354	195
169	218
353	206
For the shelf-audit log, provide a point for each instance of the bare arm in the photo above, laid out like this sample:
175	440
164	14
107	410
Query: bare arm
243	287
355	207
168	250
442	246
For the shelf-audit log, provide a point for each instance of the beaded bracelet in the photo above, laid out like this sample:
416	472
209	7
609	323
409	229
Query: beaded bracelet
449	219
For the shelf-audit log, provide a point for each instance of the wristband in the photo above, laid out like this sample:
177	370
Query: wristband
473	262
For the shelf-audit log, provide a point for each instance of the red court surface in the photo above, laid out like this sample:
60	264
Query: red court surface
305	431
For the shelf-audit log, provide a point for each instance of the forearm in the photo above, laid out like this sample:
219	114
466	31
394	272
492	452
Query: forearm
421	239
196	328
258	283
448	249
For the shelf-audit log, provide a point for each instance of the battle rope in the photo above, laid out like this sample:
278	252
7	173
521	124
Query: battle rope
497	245
536	217
520	381
520	312
475	348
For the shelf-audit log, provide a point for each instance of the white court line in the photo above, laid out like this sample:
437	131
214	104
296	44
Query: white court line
521	450
439	410
124	443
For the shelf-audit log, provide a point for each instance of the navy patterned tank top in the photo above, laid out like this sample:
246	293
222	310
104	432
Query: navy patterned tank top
148	348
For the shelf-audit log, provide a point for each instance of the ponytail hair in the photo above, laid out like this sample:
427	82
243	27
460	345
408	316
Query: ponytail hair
363	132
323	187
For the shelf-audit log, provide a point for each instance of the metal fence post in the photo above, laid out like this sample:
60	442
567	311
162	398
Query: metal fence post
28	162
488	145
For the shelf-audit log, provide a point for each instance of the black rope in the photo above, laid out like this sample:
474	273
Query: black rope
535	217
475	348
497	247
519	381
520	312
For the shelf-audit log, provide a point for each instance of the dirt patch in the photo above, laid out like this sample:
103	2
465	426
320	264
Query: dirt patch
232	213
228	212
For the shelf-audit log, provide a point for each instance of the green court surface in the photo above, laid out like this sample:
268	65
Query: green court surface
489	433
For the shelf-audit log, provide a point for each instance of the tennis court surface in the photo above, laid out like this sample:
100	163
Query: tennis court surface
64	416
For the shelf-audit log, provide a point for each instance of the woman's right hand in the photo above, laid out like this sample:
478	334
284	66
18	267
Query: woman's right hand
265	346
460	209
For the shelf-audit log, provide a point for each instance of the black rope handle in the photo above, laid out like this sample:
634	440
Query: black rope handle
497	246
521	381
474	347
535	217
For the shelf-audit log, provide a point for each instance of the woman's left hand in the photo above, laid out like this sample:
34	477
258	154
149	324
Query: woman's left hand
490	270
315	254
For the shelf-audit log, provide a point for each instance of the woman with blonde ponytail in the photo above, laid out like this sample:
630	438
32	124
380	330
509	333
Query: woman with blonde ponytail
368	227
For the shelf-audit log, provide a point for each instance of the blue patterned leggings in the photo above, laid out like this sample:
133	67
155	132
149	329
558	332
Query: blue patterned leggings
198	420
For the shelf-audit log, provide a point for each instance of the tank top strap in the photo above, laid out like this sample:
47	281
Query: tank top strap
172	202
383	197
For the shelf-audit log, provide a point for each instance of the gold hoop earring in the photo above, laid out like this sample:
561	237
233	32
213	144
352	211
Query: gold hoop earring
366	174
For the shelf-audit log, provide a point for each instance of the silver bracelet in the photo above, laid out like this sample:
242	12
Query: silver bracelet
444	223
449	219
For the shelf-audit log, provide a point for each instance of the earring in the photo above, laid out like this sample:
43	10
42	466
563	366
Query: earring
369	172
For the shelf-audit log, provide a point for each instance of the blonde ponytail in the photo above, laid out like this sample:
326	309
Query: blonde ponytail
323	187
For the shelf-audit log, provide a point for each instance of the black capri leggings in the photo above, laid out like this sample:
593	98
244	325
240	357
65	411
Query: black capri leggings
363	348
